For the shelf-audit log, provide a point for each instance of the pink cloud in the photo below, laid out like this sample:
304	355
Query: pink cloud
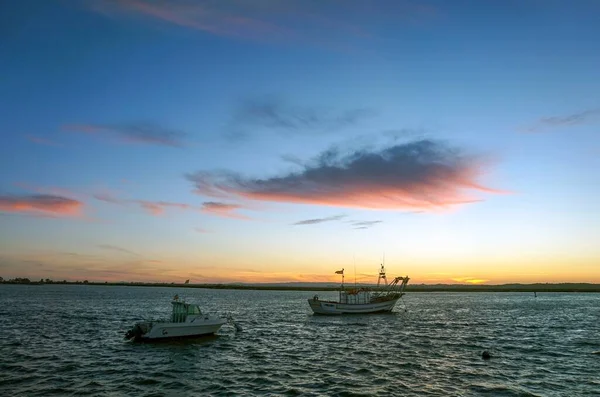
41	204
159	207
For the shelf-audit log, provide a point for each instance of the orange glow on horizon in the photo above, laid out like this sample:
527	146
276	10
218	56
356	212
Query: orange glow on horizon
119	265
156	271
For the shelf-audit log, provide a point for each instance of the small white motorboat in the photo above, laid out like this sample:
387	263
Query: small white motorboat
362	300
186	321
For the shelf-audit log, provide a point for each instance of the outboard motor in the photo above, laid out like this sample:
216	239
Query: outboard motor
134	333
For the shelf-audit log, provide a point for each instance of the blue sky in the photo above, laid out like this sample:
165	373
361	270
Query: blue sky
154	140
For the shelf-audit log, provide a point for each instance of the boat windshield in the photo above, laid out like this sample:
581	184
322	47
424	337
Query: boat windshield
193	309
181	310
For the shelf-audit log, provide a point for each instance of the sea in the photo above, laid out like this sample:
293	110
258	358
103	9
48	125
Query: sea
69	340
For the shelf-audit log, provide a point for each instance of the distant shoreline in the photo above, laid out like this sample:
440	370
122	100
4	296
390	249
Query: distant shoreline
538	287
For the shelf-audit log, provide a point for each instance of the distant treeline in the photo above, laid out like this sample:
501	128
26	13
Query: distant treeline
20	280
539	287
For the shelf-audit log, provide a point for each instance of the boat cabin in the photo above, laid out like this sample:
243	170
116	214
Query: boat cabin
355	296
182	310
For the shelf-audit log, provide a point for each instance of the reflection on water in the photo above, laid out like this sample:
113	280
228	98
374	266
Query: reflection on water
69	339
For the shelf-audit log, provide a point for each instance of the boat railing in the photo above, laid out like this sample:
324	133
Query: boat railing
395	287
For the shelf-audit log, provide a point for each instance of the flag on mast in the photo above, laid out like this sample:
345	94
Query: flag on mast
340	271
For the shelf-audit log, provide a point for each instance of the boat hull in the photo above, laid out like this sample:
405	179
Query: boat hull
163	331
330	307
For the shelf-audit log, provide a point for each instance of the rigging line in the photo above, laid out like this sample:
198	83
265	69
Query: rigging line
404	303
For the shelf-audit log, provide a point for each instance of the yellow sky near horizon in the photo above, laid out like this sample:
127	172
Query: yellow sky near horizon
224	269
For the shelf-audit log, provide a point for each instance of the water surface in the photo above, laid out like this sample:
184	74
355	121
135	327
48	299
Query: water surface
68	339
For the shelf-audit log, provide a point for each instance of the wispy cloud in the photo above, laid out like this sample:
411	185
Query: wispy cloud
582	117
117	249
421	175
108	198
220	18
42	141
41	204
152	207
136	133
276	114
201	230
365	224
319	220
323	23
226	210
157	208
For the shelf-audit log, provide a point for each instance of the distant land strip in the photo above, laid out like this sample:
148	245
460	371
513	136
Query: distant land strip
538	287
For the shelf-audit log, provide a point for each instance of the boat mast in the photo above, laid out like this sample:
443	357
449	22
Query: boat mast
382	275
342	273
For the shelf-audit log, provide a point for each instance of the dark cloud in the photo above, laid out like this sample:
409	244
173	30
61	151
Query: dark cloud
138	133
319	220
419	175
276	114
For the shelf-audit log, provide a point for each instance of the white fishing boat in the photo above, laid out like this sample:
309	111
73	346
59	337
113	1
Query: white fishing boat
363	300
186	320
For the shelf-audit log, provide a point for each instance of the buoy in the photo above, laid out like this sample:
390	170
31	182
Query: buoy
486	355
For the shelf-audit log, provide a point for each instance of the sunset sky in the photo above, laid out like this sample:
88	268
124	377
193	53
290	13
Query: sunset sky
274	141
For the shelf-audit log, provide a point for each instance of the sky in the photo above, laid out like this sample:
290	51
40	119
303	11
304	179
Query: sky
283	140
